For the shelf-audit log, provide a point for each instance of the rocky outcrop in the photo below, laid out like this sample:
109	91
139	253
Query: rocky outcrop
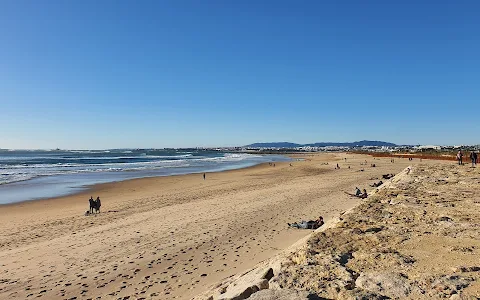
245	286
284	294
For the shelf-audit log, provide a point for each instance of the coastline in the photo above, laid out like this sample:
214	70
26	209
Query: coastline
173	230
91	188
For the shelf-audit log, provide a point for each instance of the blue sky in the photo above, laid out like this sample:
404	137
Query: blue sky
110	74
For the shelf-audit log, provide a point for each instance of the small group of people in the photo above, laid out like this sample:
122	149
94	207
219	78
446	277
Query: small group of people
308	224
94	205
360	194
473	158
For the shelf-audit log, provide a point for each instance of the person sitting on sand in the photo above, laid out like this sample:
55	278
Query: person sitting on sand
308	224
359	195
358	192
98	203
364	195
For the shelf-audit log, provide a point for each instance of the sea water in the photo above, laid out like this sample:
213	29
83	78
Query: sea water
37	174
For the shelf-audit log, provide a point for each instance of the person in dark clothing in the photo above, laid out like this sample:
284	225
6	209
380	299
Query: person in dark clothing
473	157
92	204
98	203
364	194
204	175
375	184
358	192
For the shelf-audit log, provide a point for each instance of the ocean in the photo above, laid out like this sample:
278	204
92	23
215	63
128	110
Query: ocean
38	174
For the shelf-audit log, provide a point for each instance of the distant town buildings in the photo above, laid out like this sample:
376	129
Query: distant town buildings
402	148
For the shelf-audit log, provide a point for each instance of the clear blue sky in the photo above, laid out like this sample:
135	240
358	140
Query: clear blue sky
107	74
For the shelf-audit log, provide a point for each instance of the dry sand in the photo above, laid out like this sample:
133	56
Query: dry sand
418	237
171	237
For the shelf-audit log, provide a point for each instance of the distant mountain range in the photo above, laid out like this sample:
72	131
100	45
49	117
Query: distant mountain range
324	144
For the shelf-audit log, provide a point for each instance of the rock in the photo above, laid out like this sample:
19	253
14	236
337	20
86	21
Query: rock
244	290
285	294
358	294
459	297
374	229
248	284
388	284
273	284
450	284
268	274
469	269
444	219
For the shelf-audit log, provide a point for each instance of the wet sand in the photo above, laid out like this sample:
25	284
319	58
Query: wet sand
171	237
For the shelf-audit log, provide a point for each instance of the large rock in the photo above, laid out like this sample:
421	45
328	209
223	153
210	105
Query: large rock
247	285
280	295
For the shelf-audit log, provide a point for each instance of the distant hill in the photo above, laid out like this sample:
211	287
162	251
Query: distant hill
353	144
323	144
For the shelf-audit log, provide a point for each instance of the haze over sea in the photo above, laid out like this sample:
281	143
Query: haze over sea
35	174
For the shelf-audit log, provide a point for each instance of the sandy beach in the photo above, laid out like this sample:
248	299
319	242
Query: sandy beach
415	237
172	237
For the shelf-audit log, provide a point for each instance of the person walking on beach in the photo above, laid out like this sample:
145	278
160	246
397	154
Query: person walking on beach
204	176
92	204
98	203
460	157
473	157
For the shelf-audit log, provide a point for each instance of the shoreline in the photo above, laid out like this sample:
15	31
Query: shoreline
180	232
91	188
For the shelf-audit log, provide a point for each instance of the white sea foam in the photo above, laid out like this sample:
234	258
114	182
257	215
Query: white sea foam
19	172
